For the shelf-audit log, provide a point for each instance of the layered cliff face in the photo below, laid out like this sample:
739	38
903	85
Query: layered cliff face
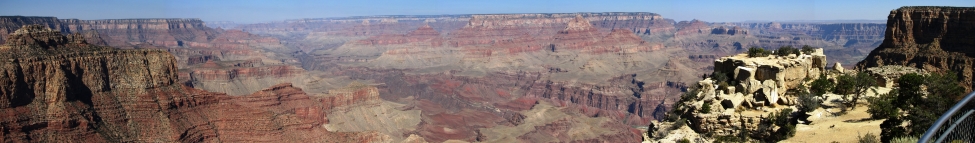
513	106
692	27
128	32
423	36
8	24
935	39
56	88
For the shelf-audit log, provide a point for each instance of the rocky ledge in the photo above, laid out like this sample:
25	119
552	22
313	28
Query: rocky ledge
936	39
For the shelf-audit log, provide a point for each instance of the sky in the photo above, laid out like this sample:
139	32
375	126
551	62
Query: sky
251	11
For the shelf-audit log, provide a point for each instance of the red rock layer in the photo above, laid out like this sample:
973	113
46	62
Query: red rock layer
620	40
78	92
12	23
355	95
936	39
220	74
691	27
384	26
159	32
444	98
578	34
425	35
233	39
729	31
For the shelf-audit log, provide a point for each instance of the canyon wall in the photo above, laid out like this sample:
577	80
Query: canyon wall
58	88
936	39
160	32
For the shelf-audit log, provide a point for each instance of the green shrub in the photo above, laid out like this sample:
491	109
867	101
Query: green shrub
905	139
821	86
882	107
684	140
723	86
852	87
758	52
706	108
679	123
808	49
918	107
808	103
786	50
868	138
728	139
782	119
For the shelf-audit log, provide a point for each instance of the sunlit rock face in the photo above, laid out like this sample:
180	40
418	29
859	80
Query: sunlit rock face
936	39
60	88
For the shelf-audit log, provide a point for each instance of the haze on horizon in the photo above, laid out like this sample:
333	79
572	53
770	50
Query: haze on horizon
250	11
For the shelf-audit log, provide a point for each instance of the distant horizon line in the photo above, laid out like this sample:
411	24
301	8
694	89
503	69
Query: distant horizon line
430	15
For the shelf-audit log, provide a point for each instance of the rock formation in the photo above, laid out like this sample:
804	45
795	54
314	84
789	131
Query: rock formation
128	32
760	84
425	35
577	34
57	88
692	27
729	31
936	39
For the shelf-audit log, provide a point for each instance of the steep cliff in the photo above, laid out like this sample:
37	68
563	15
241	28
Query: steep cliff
160	32
56	88
935	39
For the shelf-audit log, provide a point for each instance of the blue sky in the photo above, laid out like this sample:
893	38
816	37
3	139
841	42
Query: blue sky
247	11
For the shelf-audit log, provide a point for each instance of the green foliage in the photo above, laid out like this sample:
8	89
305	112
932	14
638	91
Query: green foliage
821	85
868	138
679	123
917	110
720	76
808	49
786	50
723	86
728	139
882	107
678	108
808	103
787	128
844	85
758	52
684	140
944	84
910	88
905	139
706	108
852	87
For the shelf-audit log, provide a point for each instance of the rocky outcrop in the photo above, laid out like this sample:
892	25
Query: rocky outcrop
159	32
621	41
729	31
936	39
577	34
241	80
425	36
685	28
54	88
761	80
887	75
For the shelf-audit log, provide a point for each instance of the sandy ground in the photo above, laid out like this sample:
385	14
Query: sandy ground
825	127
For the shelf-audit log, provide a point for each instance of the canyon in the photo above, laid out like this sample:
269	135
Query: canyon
560	77
918	40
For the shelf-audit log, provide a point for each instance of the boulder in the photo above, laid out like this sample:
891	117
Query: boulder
707	90
769	92
732	101
837	67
